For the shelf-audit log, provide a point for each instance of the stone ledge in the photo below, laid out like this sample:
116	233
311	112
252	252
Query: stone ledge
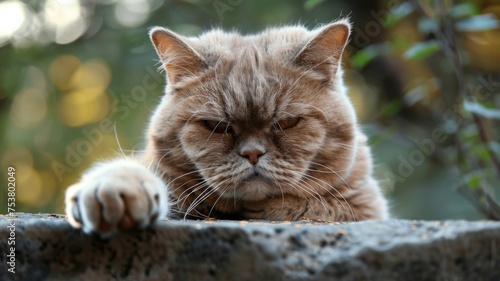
47	248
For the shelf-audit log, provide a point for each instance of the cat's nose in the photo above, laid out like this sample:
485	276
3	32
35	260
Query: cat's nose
252	155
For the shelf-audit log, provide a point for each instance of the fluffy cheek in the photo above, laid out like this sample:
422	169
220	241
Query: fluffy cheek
201	146
296	148
210	152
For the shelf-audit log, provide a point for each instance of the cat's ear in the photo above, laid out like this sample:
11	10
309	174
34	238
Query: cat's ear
178	58
323	52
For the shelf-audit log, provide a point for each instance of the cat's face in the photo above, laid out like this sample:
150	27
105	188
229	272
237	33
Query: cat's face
255	120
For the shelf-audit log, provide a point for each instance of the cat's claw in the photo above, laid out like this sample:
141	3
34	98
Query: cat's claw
114	196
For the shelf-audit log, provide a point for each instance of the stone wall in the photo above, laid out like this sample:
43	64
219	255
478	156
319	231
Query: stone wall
47	248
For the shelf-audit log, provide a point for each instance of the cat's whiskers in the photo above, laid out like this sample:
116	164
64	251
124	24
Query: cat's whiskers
158	162
181	200
118	141
201	179
320	184
198	200
198	171
161	158
311	191
331	171
202	197
282	195
334	172
181	213
301	175
299	190
326	167
192	189
132	151
198	180
215	203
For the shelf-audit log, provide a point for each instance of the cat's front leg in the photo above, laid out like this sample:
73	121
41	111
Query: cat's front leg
116	195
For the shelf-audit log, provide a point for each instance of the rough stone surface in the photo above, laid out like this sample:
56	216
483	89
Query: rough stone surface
47	248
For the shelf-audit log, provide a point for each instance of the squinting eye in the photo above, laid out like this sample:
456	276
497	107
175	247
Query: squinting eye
286	123
218	127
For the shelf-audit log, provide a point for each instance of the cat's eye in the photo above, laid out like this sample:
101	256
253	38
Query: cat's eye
218	127
286	123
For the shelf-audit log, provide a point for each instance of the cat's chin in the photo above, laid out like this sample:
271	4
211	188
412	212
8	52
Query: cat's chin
254	188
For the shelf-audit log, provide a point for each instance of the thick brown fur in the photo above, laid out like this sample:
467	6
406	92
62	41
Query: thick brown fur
320	169
319	166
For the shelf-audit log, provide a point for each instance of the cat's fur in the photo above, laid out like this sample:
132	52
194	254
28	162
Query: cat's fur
288	146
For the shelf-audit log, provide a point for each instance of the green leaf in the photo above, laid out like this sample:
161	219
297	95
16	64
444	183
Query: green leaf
398	43
478	23
365	56
311	4
362	58
468	133
428	25
474	181
464	10
397	13
415	95
420	51
392	107
482	152
481	110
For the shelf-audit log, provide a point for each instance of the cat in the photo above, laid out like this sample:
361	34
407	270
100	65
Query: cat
250	127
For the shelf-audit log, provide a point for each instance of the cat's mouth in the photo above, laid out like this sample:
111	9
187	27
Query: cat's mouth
255	185
256	174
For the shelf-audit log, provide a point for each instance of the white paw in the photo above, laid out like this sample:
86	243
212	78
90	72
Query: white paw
117	195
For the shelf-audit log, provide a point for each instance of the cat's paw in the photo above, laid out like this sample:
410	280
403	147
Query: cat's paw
117	195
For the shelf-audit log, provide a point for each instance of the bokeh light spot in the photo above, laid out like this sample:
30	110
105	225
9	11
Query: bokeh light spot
12	15
29	185
62	69
132	13
65	20
93	74
83	107
16	155
29	108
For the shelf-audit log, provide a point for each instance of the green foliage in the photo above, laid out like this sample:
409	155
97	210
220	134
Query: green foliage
398	13
465	9
478	23
473	180
427	26
470	123
311	4
392	108
363	57
479	109
422	50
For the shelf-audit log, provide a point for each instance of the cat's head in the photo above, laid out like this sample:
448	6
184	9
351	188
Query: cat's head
255	115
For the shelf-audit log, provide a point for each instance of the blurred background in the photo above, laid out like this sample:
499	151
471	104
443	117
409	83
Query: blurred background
78	78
